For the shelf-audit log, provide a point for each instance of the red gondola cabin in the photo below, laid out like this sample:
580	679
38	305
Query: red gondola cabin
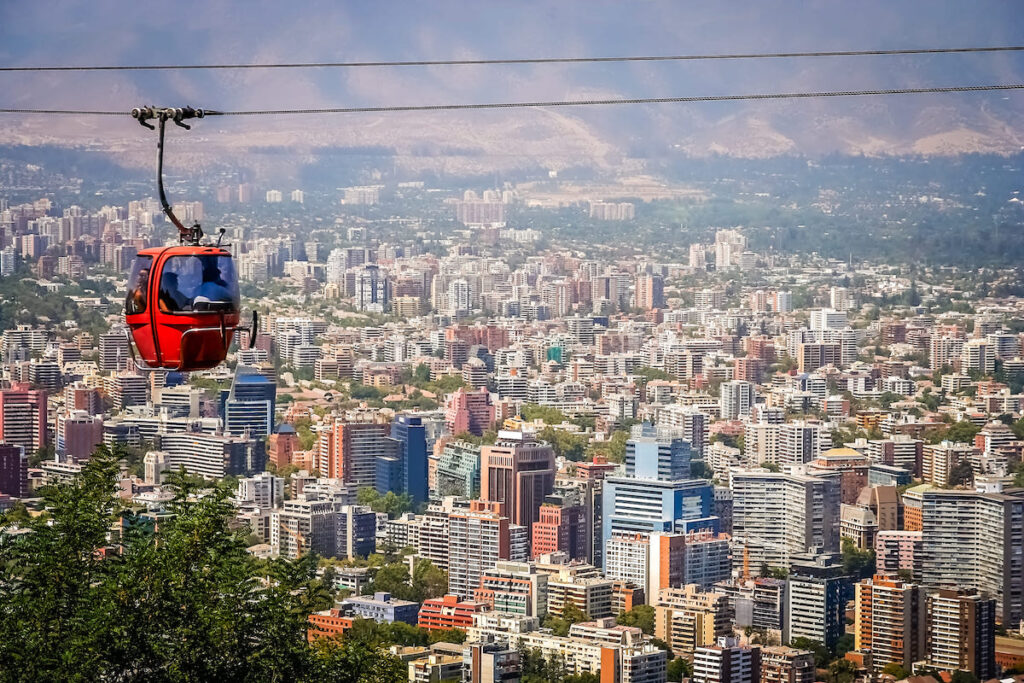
183	306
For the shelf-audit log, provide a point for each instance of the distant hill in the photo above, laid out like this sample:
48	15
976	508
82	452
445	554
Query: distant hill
616	138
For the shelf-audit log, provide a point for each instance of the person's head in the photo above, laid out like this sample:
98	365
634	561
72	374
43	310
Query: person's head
211	271
171	279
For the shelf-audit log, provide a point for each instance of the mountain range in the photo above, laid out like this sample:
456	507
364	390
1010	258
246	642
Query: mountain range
613	138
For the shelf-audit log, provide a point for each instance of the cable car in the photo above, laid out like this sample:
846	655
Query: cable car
183	306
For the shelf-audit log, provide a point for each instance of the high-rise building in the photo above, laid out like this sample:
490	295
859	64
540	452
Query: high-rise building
655	561
978	355
128	389
592	594
938	460
212	456
490	663
79	396
962	632
249	405
815	604
657	453
736	399
114	351
281	447
409	432
691	422
890	620
687	618
23	417
562	525
13	470
828	319
649	505
21	342
263	490
777	515
650	291
581	329
362	454
800	442
78	435
458	470
726	662
514	588
470	412
518	471
328	528
372	289
976	540
478	539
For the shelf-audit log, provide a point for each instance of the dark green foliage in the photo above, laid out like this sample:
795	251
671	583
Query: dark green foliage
391	503
427	581
650	373
565	444
701	470
960	676
364	392
821	653
846	643
962	432
641	616
679	668
614	449
962	474
841	671
185	602
1018	476
449	635
858	564
551	416
896	671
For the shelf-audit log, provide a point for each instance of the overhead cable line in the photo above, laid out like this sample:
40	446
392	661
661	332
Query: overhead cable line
539	60
555	103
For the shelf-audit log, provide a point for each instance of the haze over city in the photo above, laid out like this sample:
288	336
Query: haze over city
589	391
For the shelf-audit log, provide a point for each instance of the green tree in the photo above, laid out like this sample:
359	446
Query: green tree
895	670
179	600
565	444
679	668
821	653
551	416
1018	475
860	564
641	616
962	431
428	581
960	676
649	373
448	635
392	503
961	474
841	671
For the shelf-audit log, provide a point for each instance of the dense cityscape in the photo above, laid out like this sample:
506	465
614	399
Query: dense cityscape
501	453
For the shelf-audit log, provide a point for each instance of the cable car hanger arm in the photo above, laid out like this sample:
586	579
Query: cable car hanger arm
192	234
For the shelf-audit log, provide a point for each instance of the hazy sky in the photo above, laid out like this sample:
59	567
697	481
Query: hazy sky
122	32
190	31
